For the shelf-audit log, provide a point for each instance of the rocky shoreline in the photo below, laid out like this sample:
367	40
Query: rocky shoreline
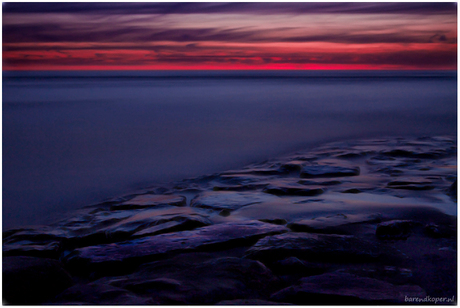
360	222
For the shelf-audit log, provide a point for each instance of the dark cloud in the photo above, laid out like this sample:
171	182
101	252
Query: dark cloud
53	33
236	7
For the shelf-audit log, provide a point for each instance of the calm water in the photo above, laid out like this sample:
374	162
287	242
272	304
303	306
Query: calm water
75	138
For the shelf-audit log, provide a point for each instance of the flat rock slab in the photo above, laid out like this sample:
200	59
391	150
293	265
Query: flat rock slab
153	222
208	282
151	248
329	224
31	281
143	201
342	288
322	247
225	200
327	171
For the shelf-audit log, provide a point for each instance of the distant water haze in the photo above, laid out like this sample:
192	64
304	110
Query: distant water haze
75	138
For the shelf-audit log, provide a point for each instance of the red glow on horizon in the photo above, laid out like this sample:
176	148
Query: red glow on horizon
217	67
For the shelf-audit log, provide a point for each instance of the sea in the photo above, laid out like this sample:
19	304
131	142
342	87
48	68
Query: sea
74	138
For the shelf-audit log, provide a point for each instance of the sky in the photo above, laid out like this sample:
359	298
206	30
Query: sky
235	35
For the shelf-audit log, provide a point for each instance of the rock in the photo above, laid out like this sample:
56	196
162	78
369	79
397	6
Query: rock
143	201
293	165
440	231
352	191
293	190
313	247
394	229
208	282
330	224
415	153
99	294
120	256
43	242
297	267
342	288
224	200
153	222
411	185
42	249
224	213
32	281
327	171
112	226
276	221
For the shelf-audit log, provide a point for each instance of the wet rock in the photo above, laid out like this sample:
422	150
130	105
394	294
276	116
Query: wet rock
330	224
224	213
41	249
99	294
327	171
208	282
415	153
293	165
228	200
31	281
352	191
342	288
276	221
440	231
392	274
42	242
144	201
313	247
152	222
293	190
395	229
121	256
297	267
411	185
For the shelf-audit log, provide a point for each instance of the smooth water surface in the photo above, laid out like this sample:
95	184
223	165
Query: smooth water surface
75	138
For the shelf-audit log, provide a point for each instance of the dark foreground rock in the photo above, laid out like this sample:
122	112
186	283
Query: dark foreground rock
113	257
330	248
332	223
208	282
31	281
342	288
99	294
395	229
